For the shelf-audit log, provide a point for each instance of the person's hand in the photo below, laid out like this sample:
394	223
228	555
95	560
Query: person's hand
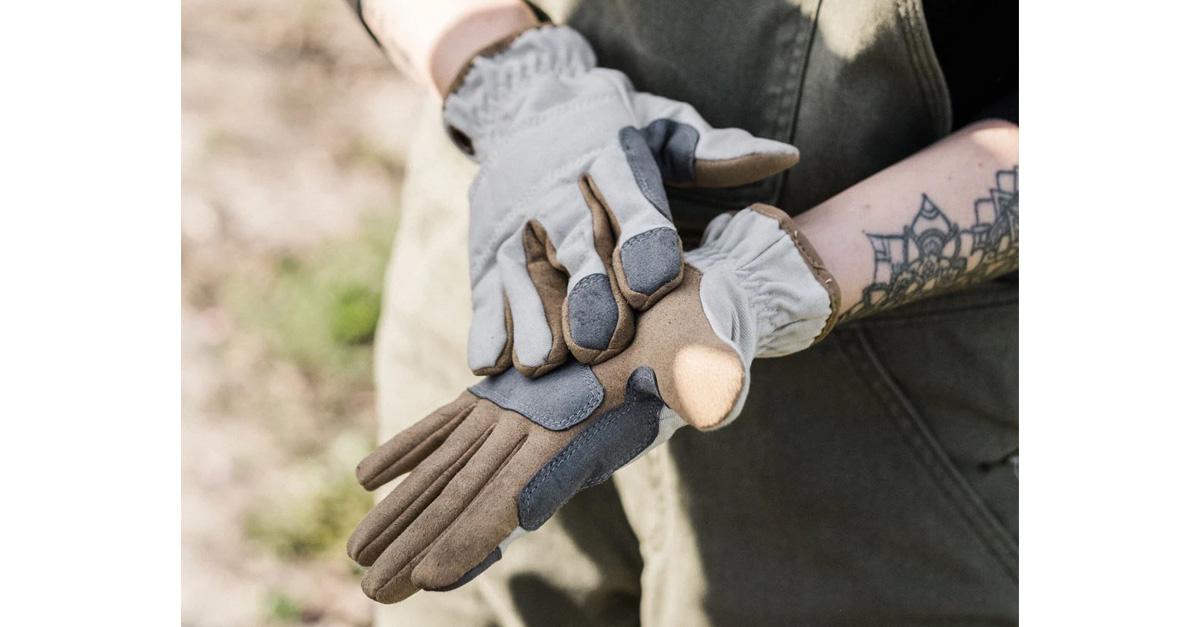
504	456
570	230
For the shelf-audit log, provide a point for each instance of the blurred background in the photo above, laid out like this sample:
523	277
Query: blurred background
293	132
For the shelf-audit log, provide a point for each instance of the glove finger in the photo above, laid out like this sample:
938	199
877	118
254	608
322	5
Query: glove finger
547	472
647	260
690	152
538	344
550	282
389	579
388	518
489	344
596	320
716	227
700	374
477	537
412	445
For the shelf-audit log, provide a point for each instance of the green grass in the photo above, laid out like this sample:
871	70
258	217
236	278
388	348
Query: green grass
282	608
314	527
319	309
354	314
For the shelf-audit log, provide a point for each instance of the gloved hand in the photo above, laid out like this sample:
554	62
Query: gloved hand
504	456
570	230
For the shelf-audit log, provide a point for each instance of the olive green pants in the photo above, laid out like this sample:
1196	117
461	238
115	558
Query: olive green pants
867	481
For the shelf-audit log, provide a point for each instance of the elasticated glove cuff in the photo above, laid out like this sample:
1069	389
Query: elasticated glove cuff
762	279
494	89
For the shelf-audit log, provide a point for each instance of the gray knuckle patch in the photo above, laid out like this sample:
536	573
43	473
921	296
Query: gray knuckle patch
592	312
645	169
607	444
642	386
651	259
673	145
557	401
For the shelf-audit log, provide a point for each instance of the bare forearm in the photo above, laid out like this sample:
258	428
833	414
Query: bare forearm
434	40
940	220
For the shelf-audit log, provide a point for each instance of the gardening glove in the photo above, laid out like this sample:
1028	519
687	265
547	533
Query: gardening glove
570	230
502	458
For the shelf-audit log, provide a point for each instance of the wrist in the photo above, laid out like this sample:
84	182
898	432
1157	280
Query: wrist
493	27
433	40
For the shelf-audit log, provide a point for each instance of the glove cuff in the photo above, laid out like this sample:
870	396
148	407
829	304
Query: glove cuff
783	298
490	93
815	265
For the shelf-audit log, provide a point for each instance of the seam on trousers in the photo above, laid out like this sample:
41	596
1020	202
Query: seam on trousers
919	317
789	121
925	65
913	430
979	297
653	546
658	528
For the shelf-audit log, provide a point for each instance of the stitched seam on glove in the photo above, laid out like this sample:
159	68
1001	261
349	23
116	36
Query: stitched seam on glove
645	180
574	447
595	396
823	276
512	218
501	132
545	51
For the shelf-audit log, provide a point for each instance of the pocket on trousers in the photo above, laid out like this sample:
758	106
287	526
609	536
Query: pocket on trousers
946	370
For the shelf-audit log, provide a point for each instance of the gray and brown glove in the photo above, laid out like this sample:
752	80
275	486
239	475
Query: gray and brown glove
570	229
503	457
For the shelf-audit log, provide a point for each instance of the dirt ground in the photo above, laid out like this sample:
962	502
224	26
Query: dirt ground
294	127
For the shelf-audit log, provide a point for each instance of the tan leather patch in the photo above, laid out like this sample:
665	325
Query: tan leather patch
551	283
739	170
600	210
698	374
604	240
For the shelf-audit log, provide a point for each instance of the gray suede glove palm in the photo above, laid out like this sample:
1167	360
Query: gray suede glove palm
570	229
502	458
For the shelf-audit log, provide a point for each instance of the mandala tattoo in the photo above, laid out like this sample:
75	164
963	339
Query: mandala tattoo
933	254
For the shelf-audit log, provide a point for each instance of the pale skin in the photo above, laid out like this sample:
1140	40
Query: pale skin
953	174
434	40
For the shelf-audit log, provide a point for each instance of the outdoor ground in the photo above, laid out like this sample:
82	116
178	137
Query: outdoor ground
294	127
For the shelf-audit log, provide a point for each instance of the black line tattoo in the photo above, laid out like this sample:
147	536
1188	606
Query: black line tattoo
933	254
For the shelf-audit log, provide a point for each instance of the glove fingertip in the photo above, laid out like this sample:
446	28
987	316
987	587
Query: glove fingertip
597	320
591	315
556	358
370	471
391	590
487	371
621	338
709	382
482	355
357	544
744	169
432	585
648	266
365	473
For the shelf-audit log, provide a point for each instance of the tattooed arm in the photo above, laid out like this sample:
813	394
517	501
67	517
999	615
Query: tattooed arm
940	220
